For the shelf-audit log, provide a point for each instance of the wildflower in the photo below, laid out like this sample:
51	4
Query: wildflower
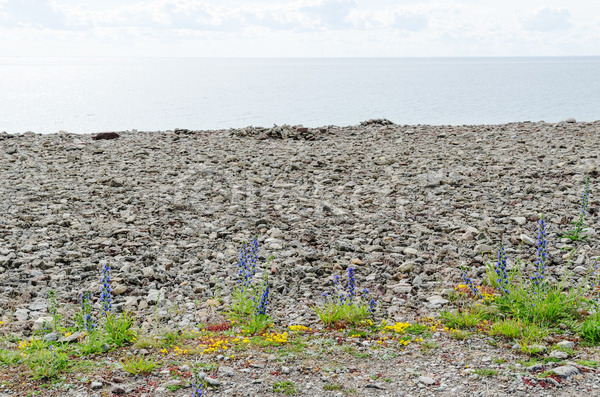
470	284
501	271
351	284
264	301
196	388
106	295
86	310
542	244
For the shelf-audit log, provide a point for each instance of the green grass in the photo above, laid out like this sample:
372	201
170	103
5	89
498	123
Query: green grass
332	387
590	329
286	387
588	363
138	365
485	372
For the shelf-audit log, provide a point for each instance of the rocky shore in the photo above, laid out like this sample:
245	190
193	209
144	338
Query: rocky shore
406	206
169	210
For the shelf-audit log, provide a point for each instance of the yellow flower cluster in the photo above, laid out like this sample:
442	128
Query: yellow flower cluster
299	328
177	350
398	328
433	324
24	344
213	345
367	322
276	338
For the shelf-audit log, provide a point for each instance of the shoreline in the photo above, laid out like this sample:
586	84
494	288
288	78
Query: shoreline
407	206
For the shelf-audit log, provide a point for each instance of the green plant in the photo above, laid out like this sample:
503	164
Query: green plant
53	310
459	334
9	358
138	365
485	372
332	387
347	307
118	329
287	387
507	328
463	318
576	234
590	329
92	344
588	363
173	387
46	363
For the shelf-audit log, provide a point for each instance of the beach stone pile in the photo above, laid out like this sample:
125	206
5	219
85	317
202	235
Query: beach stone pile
406	206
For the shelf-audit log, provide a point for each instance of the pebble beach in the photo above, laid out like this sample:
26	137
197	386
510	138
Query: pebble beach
405	205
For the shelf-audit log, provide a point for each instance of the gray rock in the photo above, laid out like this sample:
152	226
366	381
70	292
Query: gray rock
565	371
153	296
96	385
559	354
42	322
437	300
52	337
567	344
426	380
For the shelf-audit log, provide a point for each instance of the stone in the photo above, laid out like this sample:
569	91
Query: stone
426	380
52	337
212	381
153	297
567	344
23	314
96	385
407	267
437	300
105	135
118	390
559	354
228	371
565	371
570	120
527	240
519	220
42	322
410	251
119	289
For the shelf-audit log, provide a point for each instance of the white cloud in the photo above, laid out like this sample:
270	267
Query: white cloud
547	20
298	27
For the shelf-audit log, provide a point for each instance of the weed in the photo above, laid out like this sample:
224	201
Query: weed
576	234
332	387
118	329
286	387
345	306
46	363
485	372
138	365
590	329
588	363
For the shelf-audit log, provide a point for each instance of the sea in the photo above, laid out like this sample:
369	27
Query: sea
87	95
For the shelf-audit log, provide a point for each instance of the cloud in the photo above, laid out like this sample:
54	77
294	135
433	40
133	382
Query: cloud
330	13
547	20
42	14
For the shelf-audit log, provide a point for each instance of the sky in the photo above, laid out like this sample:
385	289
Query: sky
300	28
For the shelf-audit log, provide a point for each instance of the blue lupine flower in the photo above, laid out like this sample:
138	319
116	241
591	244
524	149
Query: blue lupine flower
196	389
542	245
470	284
86	310
500	268
372	304
264	301
106	295
351	284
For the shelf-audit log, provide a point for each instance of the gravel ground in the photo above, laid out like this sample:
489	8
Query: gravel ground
404	205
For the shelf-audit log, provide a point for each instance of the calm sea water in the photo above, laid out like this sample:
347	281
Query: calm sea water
89	95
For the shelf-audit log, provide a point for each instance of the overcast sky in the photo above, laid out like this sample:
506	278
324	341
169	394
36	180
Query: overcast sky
302	28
